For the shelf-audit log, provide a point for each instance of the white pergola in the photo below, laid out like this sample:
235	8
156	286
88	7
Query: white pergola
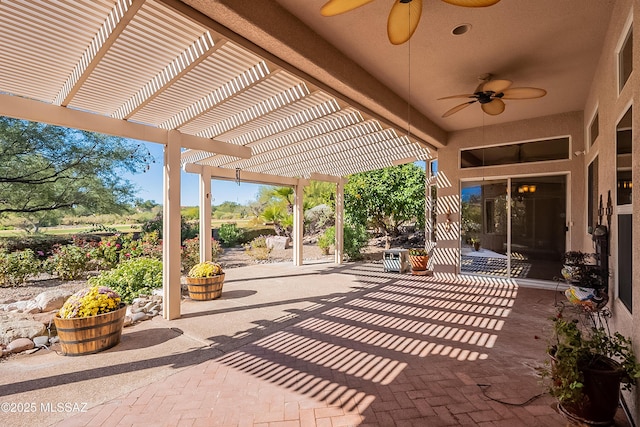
223	108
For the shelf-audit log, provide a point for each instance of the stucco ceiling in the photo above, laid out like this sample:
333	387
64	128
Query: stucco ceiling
549	44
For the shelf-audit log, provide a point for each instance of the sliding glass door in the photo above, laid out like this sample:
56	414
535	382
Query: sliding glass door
523	236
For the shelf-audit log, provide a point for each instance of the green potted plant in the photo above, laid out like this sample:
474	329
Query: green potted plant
588	366
418	257
205	281
91	320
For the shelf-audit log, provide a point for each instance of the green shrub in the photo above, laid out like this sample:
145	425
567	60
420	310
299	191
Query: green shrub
16	267
248	234
188	229
257	248
132	278
355	238
68	262
229	234
190	252
41	244
327	239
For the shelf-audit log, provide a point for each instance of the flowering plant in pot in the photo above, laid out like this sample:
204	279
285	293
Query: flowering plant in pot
588	367
205	280
90	321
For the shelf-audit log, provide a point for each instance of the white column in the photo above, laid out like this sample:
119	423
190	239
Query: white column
171	228
298	222
205	215
339	214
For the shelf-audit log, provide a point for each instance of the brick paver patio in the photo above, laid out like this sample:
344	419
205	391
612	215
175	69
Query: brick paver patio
322	345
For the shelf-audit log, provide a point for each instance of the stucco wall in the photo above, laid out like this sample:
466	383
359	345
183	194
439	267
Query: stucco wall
611	106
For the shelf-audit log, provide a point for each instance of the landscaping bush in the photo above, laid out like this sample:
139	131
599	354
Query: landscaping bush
41	244
229	234
190	252
248	234
257	248
132	278
355	238
17	266
68	262
327	239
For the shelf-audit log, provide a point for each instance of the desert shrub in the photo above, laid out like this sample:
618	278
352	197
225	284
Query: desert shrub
229	234
327	239
318	218
355	238
41	244
17	266
188	229
68	262
190	252
248	234
257	248
132	278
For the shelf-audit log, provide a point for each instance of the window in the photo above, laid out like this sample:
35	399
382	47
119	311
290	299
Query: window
592	194
523	152
625	59
623	159
594	129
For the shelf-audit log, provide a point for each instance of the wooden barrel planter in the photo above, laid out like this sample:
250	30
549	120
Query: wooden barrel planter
205	288
88	335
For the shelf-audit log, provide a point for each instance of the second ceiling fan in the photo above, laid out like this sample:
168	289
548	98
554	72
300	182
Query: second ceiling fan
403	17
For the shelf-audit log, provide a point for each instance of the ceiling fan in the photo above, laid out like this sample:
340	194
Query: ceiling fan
490	95
403	17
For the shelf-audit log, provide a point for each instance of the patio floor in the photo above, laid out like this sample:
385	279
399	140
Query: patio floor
317	345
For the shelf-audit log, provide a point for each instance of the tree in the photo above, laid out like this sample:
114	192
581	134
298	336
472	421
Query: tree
46	168
386	198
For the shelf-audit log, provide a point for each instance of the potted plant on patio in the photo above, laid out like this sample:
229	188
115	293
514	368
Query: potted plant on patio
90	321
588	366
418	257
205	280
475	242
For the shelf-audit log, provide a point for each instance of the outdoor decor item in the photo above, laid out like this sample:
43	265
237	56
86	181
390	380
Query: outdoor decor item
90	321
587	284
418	258
588	366
205	281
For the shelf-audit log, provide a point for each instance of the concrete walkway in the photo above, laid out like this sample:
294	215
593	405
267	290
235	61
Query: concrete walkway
317	345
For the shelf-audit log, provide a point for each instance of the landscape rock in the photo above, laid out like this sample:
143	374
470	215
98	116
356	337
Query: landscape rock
13	329
278	242
19	345
52	299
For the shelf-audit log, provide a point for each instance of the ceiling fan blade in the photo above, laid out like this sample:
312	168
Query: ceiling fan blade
403	20
496	86
524	93
472	3
457	108
336	7
494	107
470	95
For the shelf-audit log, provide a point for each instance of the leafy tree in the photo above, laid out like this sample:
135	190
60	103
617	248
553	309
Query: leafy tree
319	193
50	168
386	198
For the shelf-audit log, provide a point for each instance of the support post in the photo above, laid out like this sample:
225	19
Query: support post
298	222
171	228
339	214
205	215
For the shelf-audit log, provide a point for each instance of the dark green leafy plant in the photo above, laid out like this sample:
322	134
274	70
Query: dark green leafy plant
132	278
574	348
68	262
229	234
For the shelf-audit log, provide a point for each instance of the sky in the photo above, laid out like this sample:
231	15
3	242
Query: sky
150	184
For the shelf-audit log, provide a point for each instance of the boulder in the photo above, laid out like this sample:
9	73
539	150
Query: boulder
52	299
13	329
278	242
19	345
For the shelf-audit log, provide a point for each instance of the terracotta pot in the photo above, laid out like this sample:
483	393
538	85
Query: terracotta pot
418	262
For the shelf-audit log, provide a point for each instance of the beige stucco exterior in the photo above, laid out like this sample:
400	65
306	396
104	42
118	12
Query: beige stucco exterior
611	104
